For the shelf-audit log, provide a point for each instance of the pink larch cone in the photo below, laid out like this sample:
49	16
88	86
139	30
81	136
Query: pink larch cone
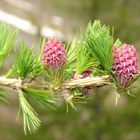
53	54
125	65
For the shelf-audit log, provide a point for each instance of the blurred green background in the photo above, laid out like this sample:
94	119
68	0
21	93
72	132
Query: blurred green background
98	119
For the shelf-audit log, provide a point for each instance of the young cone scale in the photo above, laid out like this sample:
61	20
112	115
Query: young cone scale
54	54
85	74
125	65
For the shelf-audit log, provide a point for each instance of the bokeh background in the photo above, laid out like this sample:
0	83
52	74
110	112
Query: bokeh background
98	119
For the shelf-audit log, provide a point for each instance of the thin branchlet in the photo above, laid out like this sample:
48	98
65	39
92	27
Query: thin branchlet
17	83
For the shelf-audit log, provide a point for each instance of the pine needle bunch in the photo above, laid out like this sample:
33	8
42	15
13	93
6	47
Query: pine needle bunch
85	60
25	61
30	117
99	41
71	50
42	97
7	40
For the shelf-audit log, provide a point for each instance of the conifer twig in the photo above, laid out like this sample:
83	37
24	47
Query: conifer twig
18	83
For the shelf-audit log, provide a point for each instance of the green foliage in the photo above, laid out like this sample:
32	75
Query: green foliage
85	60
71	53
118	43
99	42
7	40
71	58
42	43
30	119
99	72
55	76
38	66
25	61
44	98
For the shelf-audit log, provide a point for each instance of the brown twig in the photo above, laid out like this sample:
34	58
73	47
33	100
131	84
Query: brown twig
89	81
10	82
